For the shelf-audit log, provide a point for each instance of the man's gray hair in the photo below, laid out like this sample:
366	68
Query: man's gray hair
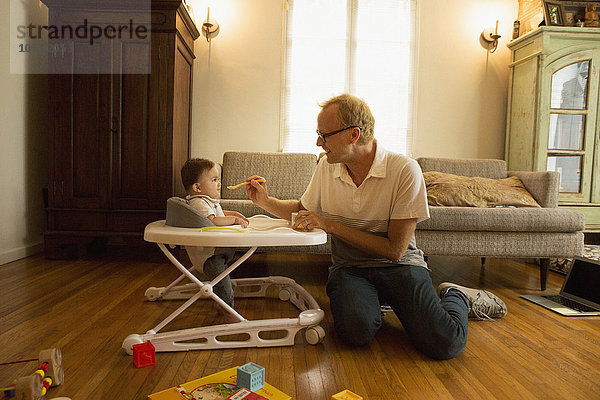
353	111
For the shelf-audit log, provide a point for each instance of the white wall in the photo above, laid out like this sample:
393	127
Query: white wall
22	150
461	93
460	104
237	78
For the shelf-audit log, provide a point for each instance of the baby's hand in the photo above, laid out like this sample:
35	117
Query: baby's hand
236	214
241	221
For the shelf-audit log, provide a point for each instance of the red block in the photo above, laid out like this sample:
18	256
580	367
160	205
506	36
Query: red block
143	354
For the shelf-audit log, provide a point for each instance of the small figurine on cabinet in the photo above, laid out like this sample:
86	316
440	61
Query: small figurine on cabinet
591	16
516	28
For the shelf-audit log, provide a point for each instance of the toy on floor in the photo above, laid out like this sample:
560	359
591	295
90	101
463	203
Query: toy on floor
220	385
184	394
143	355
346	395
48	374
251	376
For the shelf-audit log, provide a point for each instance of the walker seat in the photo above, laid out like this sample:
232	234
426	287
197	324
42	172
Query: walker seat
185	226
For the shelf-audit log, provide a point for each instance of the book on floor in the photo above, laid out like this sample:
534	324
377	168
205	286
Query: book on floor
218	386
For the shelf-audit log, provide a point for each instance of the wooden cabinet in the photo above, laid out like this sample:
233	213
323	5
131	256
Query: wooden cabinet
119	117
553	120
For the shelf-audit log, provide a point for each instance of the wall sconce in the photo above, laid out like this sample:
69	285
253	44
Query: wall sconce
210	27
490	38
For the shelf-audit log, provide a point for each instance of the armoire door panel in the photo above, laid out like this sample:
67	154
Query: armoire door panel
89	121
87	138
570	90
59	140
81	130
131	119
159	160
181	114
160	186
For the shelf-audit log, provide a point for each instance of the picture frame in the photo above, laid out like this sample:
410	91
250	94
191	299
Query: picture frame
554	13
574	11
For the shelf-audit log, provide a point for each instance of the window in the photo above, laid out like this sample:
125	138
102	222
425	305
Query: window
568	115
362	47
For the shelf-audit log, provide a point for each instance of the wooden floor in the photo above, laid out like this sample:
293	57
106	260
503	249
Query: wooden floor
87	307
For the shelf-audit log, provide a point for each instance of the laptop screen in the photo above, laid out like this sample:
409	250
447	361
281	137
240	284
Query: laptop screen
583	281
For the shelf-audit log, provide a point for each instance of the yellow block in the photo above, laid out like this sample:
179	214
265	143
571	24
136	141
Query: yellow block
346	395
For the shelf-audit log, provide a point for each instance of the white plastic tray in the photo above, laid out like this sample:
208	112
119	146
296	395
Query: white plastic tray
262	231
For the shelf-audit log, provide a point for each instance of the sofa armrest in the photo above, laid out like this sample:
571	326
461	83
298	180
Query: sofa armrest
543	186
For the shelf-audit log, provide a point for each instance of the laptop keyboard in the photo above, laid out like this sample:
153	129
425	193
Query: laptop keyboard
569	303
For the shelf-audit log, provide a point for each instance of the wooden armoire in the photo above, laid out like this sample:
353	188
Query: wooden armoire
119	110
553	120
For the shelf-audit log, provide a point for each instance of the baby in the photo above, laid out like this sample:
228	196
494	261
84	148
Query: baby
202	182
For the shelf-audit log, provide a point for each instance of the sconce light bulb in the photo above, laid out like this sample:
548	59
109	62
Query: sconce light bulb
210	28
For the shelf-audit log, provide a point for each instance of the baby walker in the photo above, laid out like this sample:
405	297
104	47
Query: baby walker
200	243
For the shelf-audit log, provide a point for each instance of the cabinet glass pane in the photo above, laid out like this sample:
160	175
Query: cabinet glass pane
569	86
566	132
569	168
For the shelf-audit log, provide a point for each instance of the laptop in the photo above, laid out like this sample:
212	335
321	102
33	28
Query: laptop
580	293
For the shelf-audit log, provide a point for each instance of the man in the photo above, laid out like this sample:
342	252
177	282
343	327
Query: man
370	201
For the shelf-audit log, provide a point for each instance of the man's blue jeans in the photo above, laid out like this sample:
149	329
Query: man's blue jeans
436	328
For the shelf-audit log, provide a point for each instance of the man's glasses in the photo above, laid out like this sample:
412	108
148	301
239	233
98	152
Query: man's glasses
323	136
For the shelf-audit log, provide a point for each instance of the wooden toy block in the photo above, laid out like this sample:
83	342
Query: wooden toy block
251	376
346	395
34	387
143	354
29	387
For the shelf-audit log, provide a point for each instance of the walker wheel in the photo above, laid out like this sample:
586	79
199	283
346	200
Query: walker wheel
284	295
130	341
153	293
314	334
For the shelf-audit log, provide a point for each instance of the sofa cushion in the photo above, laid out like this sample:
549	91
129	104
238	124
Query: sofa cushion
287	174
500	244
503	219
452	190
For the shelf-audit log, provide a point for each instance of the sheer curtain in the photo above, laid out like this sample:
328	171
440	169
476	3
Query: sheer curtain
362	47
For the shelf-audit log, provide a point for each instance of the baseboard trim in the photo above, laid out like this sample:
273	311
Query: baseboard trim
21	252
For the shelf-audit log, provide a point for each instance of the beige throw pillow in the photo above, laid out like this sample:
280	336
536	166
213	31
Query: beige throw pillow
462	191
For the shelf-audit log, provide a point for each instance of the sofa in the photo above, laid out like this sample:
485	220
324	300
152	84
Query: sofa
542	233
